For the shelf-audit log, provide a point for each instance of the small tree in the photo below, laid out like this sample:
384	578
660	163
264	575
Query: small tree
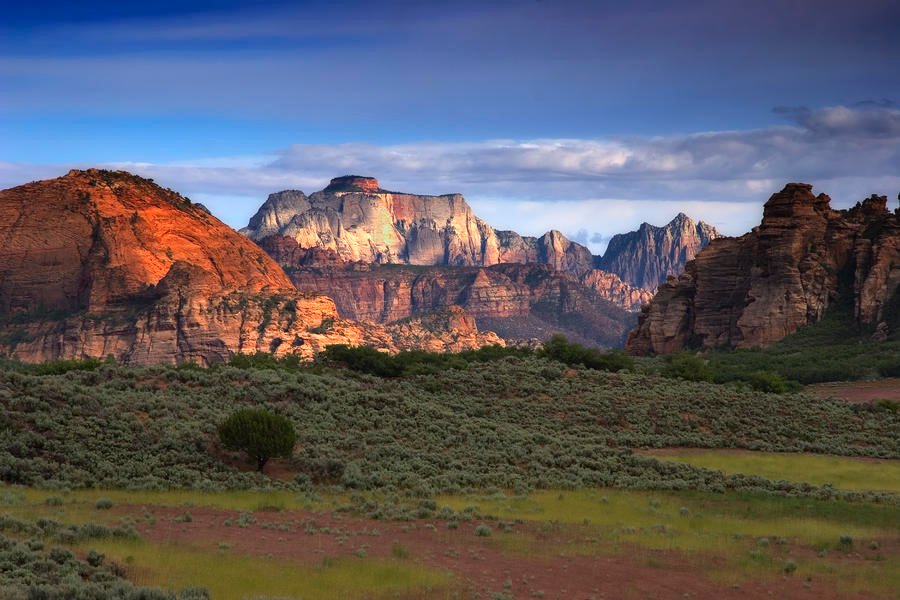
259	433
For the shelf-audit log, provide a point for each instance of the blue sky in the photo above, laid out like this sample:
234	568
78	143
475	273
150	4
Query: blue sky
589	117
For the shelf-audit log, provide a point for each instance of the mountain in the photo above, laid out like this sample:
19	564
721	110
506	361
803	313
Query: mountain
100	263
518	301
646	257
360	222
803	259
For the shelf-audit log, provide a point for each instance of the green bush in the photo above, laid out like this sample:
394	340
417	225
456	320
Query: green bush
362	358
558	348
259	433
687	366
766	381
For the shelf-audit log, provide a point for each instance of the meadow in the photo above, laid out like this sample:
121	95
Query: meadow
492	473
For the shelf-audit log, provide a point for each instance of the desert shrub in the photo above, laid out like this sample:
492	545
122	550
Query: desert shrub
27	570
688	366
834	349
766	381
483	531
103	504
362	358
259	433
888	405
263	360
58	367
558	348
498	424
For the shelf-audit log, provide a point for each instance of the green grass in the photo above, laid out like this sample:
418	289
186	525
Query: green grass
633	516
717	532
841	472
230	576
79	506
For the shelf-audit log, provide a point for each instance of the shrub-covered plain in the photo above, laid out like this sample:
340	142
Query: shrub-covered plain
517	422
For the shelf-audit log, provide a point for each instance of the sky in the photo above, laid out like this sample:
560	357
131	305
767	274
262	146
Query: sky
584	116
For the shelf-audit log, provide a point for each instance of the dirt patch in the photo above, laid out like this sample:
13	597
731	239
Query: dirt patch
858	391
518	561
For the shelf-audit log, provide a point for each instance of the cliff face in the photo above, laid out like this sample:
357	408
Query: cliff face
803	258
359	221
101	263
519	301
646	257
356	221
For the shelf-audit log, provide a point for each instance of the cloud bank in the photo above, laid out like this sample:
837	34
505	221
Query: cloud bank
589	189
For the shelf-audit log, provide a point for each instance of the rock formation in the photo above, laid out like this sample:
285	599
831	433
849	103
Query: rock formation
646	257
803	258
358	221
518	301
100	263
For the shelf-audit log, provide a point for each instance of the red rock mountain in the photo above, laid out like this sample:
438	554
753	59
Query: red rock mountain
100	263
518	301
360	222
802	259
646	257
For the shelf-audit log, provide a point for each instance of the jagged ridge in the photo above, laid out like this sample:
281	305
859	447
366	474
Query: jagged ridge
803	258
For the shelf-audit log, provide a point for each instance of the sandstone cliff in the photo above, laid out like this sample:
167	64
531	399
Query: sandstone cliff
358	221
518	301
803	258
100	263
646	257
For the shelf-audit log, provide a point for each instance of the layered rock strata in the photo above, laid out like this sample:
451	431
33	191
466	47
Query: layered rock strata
647	257
804	258
519	301
100	263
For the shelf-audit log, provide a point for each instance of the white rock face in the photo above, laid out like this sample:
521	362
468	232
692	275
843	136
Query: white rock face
361	222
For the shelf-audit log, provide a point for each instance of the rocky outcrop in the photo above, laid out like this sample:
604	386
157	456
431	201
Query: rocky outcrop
646	257
101	263
612	288
803	259
518	301
357	221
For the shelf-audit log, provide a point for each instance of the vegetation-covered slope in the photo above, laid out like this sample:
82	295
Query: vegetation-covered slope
515	423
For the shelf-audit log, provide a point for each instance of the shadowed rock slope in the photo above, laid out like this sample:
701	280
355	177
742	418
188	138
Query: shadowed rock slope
646	257
358	221
518	301
100	263
803	258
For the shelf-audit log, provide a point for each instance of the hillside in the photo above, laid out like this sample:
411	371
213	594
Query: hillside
517	301
803	259
103	263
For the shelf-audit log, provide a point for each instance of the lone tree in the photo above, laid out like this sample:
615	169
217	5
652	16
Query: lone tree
259	433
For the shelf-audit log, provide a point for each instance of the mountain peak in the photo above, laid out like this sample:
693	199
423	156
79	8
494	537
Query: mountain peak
353	183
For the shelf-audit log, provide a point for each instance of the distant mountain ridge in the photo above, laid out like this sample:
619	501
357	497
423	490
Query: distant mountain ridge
647	257
104	263
360	222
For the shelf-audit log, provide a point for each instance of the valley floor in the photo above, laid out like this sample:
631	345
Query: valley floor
592	543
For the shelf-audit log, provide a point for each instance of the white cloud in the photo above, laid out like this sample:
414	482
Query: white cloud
597	187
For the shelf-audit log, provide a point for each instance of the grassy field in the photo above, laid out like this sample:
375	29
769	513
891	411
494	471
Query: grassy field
838	471
230	576
735	537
